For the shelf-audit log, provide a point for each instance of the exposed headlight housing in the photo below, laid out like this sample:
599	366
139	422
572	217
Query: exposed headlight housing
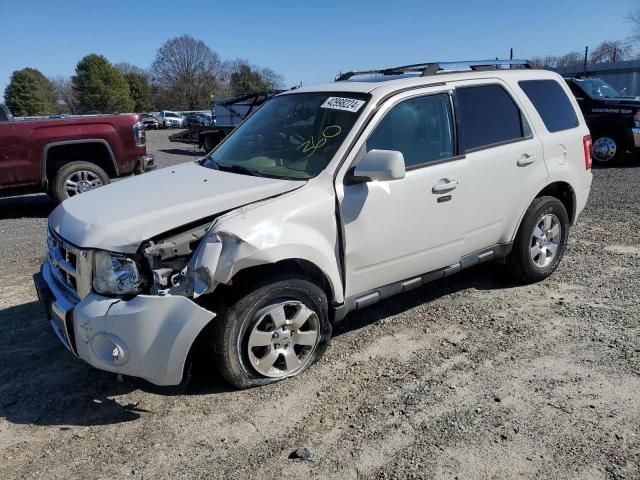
115	274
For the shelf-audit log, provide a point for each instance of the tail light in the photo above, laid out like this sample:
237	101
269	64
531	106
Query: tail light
139	135
586	143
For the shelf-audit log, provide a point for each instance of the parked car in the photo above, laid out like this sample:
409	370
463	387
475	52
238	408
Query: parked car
168	119
65	157
197	119
326	200
149	121
614	119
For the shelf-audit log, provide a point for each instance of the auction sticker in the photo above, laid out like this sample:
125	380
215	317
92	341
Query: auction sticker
341	103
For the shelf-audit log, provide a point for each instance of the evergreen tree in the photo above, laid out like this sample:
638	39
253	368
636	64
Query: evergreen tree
100	87
30	93
140	91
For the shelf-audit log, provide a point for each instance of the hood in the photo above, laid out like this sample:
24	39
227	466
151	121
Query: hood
622	102
119	216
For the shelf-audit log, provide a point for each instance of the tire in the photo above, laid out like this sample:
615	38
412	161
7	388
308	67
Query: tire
607	149
256	339
209	142
537	251
86	176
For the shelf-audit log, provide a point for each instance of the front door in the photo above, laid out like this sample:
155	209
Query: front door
398	229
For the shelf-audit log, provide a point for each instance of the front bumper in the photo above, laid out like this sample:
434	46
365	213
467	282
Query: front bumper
148	336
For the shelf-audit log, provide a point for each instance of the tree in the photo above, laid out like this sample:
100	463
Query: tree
634	18
65	94
140	91
187	70
30	93
244	78
100	87
610	51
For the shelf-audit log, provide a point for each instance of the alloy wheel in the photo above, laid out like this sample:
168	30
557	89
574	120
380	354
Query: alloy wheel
545	240
81	181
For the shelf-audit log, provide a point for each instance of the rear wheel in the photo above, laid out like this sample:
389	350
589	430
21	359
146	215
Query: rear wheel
209	142
606	148
275	331
541	240
77	177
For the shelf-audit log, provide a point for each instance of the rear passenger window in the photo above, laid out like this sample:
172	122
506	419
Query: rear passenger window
421	128
488	116
551	103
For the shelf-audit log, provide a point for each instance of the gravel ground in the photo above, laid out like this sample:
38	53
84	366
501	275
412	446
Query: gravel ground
471	377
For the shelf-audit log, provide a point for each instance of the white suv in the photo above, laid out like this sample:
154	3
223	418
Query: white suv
168	119
326	200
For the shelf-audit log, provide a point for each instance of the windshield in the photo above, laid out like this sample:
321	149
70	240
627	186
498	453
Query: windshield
172	115
290	136
596	88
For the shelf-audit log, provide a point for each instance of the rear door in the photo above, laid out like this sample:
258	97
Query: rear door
506	161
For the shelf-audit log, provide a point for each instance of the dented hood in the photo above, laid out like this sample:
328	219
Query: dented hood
119	216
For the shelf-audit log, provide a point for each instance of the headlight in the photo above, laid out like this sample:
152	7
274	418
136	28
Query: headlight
636	119
115	275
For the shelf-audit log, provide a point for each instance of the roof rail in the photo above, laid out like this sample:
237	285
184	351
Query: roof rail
433	68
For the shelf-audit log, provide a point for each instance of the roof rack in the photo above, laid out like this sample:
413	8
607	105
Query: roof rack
433	68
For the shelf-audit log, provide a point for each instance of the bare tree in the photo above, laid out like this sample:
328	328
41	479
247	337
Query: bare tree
634	18
126	67
65	92
570	59
187	70
610	51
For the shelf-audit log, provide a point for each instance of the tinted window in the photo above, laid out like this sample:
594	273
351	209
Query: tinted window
488	115
551	103
420	128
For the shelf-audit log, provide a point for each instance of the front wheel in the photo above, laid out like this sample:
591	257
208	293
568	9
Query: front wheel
275	331
541	240
77	177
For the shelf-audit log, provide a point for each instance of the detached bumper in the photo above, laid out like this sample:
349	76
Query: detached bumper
148	336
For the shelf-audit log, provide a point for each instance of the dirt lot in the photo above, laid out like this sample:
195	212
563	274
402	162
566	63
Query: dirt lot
472	377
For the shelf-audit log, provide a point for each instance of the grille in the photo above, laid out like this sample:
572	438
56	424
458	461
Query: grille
70	266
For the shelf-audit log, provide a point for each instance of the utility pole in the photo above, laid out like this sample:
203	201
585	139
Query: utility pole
615	51
511	54
586	55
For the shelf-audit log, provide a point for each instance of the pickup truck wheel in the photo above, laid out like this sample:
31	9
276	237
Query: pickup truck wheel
275	331
77	177
606	149
541	240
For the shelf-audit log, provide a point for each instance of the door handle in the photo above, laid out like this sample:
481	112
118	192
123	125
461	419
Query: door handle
526	159
444	185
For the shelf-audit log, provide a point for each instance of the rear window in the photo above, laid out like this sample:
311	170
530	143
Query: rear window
488	116
552	104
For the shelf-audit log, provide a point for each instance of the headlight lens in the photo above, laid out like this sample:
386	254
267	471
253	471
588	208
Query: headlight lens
115	275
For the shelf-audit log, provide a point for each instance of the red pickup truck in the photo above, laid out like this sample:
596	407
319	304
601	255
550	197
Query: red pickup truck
68	156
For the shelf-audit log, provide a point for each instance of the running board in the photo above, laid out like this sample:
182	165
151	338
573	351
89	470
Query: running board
363	300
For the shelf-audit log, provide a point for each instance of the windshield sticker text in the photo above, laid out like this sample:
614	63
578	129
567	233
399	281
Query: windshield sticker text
341	103
310	146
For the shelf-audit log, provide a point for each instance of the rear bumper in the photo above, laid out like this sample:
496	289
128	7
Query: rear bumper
145	163
148	336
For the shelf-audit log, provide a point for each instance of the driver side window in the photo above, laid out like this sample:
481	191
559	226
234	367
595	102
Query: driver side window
421	128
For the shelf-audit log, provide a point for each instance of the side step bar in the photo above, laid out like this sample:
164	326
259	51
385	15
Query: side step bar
363	300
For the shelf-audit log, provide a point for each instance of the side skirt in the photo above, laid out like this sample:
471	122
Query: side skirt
362	300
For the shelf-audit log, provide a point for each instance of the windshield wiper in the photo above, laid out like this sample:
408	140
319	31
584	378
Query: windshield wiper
238	169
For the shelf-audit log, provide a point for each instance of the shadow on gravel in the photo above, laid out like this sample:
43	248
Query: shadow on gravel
482	277
41	383
28	206
183	151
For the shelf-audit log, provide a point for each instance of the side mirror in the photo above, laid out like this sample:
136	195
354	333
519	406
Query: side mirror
380	165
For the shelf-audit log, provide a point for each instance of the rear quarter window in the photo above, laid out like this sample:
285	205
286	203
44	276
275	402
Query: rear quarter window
552	103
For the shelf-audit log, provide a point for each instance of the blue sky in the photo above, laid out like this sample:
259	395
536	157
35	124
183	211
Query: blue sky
308	41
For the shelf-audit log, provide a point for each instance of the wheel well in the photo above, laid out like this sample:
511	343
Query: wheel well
92	152
563	192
